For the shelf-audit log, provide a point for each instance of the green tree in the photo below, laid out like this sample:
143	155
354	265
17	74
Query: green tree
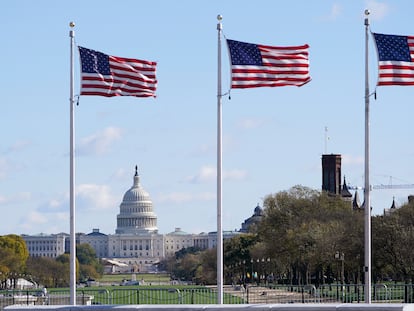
88	272
48	272
168	265
187	266
13	256
90	267
86	254
237	256
304	228
392	243
207	271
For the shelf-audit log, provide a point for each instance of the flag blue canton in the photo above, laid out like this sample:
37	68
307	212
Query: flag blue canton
392	48
243	53
94	61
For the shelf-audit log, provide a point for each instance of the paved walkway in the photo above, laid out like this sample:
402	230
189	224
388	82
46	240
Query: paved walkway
257	294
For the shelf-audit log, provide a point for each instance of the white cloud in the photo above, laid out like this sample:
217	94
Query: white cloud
209	174
120	174
235	175
205	174
336	10
18	145
250	123
352	160
87	197
378	9
183	197
36	218
100	142
95	197
5	167
203	149
49	222
56	204
17	198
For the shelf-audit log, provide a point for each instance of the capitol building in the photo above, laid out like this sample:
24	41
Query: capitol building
136	245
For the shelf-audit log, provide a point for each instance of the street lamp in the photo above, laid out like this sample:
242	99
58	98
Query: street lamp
266	273
251	275
341	256
244	272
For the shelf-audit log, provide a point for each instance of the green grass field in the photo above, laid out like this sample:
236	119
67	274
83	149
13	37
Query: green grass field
149	278
156	289
166	294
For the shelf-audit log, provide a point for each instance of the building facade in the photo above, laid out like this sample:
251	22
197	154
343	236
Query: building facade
43	245
97	240
252	221
331	173
136	245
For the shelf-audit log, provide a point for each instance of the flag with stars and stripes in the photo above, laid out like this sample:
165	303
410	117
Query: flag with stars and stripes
395	59
106	75
255	65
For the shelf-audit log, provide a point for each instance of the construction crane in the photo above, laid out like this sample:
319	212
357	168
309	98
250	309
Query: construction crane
384	186
380	187
402	186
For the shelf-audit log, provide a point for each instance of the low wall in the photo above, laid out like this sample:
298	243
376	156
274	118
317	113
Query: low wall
257	307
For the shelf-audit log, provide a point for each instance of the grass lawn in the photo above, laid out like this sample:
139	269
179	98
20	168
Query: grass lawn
149	278
164	294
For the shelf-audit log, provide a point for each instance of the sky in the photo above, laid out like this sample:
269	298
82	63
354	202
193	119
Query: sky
273	138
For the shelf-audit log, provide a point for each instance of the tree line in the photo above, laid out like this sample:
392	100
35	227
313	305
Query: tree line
16	263
304	237
308	237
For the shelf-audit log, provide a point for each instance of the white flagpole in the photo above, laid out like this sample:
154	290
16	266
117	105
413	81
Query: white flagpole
72	172
367	187
219	169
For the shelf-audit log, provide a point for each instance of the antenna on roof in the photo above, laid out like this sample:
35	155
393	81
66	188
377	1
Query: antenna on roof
326	139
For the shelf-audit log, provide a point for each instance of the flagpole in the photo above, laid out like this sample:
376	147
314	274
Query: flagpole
72	173
219	171
367	187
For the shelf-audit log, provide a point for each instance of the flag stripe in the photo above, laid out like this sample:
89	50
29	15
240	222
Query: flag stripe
105	83
137	82
256	70
395	59
98	92
254	65
108	76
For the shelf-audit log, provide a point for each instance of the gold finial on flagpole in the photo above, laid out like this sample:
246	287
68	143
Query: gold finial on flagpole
71	24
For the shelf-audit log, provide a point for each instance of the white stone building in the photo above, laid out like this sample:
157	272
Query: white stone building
97	240
43	245
136	245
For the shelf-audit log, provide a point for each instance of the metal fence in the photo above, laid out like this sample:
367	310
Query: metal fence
382	293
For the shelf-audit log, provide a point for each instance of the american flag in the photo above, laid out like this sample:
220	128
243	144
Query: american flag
255	65
106	75
395	59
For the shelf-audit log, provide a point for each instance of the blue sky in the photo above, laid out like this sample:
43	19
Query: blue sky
273	138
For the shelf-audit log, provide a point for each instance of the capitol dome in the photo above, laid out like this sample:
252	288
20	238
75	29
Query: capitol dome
136	193
136	212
